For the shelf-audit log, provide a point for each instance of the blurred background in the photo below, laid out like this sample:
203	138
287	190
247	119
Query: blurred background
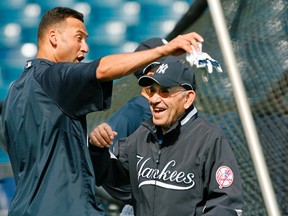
259	34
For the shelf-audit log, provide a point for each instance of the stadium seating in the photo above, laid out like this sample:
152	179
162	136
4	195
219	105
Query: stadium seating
111	24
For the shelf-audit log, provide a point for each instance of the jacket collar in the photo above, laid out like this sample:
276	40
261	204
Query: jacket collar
188	116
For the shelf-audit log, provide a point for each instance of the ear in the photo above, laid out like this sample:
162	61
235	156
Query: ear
189	97
150	73
53	37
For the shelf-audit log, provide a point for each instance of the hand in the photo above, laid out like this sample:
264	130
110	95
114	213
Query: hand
102	136
182	44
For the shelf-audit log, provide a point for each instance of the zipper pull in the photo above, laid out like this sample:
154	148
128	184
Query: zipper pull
158	156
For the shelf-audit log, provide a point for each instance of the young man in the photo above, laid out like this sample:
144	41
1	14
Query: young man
176	162
44	115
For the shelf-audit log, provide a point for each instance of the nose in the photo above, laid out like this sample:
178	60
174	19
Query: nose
155	98
84	47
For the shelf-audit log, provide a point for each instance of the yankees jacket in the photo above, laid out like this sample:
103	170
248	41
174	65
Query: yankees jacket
190	170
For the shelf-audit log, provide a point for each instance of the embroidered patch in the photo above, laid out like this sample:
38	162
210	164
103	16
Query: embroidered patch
162	69
224	176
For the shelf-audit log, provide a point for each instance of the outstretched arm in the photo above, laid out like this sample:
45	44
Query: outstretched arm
118	65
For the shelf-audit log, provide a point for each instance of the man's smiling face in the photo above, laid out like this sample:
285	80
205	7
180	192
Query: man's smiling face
167	110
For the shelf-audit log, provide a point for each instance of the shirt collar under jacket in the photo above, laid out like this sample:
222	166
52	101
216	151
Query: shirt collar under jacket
190	114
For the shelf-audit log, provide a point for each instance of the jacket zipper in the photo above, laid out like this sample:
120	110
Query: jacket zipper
155	187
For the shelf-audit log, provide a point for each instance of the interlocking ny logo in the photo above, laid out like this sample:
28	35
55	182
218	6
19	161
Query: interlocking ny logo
162	69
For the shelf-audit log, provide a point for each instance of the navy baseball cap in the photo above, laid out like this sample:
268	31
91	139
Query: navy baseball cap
171	74
145	45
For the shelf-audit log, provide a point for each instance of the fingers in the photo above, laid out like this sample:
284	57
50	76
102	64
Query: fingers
182	43
196	36
102	136
195	39
192	39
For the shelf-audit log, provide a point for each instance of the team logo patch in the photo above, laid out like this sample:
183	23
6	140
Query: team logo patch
162	69
224	176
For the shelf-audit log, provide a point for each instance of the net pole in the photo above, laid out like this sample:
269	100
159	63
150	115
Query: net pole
244	109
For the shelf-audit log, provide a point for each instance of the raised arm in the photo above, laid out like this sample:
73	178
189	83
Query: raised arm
118	65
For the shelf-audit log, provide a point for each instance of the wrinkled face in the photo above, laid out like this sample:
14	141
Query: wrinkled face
167	104
70	43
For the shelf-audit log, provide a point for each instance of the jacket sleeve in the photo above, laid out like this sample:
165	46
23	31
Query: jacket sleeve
110	173
222	181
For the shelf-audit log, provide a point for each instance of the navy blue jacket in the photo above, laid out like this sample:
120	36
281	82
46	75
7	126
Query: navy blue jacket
44	120
191	170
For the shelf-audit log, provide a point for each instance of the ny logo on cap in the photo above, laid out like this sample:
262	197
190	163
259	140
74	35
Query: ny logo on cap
162	68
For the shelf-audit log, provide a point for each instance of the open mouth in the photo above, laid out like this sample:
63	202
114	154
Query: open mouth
158	110
79	59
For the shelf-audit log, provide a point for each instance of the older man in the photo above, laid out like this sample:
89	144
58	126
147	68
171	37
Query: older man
176	162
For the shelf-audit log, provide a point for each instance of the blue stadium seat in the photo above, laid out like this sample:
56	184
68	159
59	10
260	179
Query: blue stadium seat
3	92
146	30
157	19
10	34
99	50
105	13
111	32
4	158
8	4
31	15
131	13
27	15
48	4
161	2
10	15
101	3
28	35
17	55
84	8
163	10
8	74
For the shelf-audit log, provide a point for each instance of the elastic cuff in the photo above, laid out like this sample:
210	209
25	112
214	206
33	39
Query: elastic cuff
94	148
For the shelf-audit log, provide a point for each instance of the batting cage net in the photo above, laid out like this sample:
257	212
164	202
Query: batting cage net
258	30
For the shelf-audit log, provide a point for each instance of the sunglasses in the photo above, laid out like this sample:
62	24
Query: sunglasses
164	92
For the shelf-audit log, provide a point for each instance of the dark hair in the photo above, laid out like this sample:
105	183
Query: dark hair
57	15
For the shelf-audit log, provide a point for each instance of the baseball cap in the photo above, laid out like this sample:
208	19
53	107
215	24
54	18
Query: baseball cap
171	74
145	45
